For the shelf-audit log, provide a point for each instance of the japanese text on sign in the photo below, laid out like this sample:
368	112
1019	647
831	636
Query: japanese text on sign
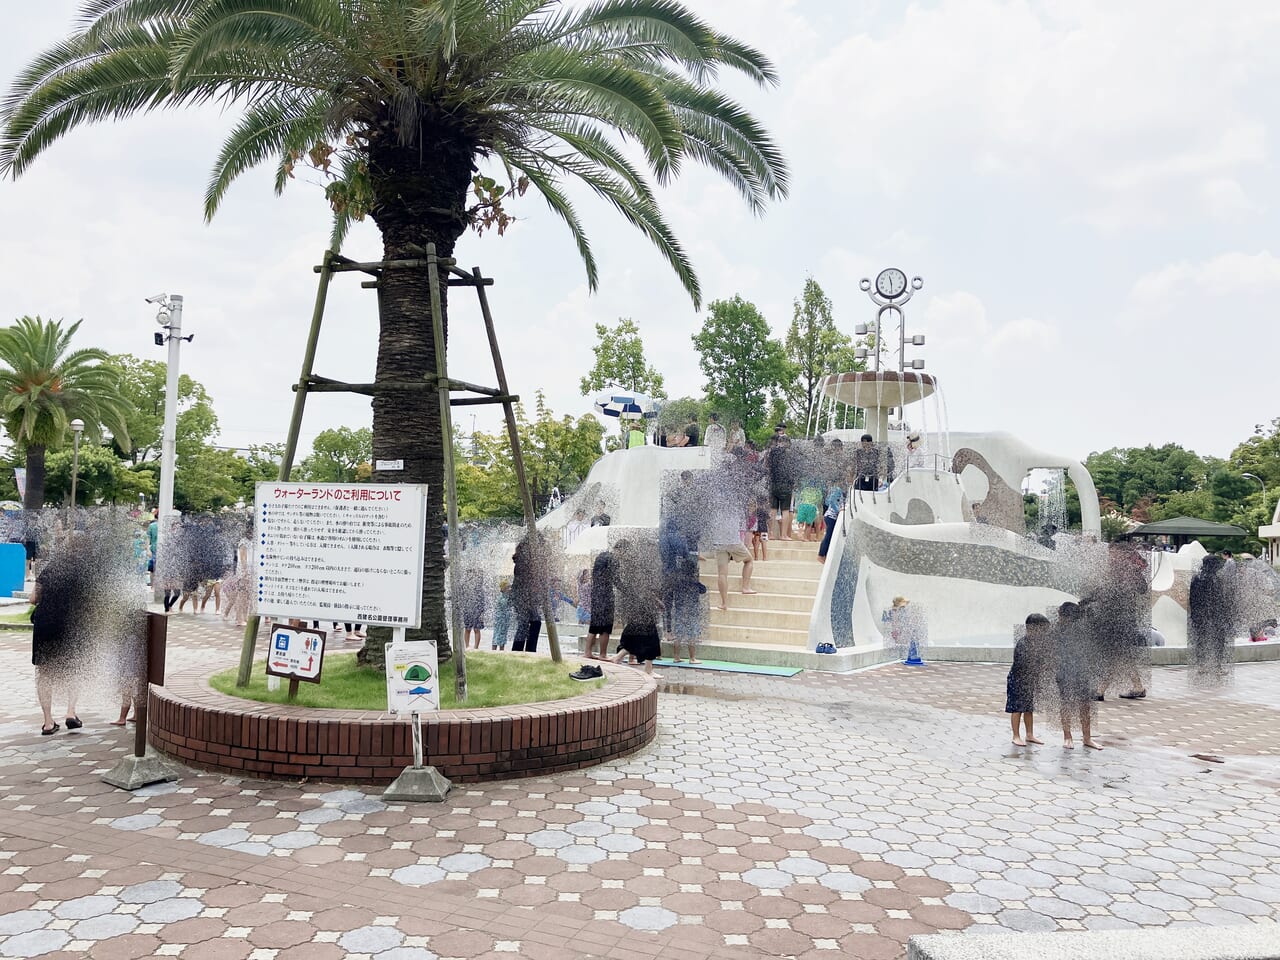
340	552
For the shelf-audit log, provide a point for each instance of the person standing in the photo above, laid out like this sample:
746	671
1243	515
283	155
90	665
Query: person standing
474	600
726	543
529	590
55	635
574	527
715	439
737	437
635	435
603	575
691	432
1020	688
866	464
834	504
501	616
1074	675
778	461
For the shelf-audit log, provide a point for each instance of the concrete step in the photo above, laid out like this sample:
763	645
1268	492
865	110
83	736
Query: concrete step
752	635
795	550
790	586
792	569
760	619
787	602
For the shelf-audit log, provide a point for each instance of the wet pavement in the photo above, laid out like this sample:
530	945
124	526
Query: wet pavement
814	816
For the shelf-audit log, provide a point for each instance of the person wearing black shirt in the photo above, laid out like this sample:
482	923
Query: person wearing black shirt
691	431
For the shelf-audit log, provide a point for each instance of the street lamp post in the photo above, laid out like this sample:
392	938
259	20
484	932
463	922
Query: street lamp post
77	428
169	318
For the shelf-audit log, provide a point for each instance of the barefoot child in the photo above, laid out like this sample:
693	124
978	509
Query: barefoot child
1074	675
760	530
1028	654
501	616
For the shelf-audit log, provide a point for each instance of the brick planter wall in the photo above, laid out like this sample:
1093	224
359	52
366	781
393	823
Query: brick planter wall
201	727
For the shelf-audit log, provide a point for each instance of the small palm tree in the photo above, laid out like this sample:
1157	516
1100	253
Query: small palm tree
400	102
43	387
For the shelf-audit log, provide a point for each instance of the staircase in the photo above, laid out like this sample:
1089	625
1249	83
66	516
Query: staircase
778	616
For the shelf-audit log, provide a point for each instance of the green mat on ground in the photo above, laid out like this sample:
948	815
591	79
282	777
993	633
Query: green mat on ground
724	666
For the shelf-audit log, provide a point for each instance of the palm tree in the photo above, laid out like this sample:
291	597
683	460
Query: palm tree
43	387
399	102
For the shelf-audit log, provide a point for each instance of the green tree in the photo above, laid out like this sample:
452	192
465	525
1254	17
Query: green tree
103	477
1127	476
558	453
143	381
815	348
206	480
46	385
620	361
397	104
743	364
337	455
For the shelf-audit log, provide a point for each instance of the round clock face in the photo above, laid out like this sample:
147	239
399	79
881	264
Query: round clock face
891	283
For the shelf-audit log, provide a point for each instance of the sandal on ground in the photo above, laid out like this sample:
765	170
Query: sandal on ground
1134	695
50	731
74	723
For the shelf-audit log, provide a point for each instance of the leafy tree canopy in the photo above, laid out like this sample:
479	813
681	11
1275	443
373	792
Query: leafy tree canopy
743	364
558	452
620	361
143	381
815	348
340	455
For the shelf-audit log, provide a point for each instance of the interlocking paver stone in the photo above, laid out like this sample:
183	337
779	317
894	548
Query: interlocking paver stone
769	843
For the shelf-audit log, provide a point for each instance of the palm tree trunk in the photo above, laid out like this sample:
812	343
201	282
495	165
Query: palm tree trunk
34	499
406	424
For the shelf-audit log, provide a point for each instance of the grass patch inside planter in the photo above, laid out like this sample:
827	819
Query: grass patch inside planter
493	680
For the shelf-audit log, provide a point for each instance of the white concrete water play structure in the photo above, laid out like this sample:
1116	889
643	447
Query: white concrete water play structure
947	530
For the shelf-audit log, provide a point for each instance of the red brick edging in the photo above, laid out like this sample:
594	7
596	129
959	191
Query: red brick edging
199	726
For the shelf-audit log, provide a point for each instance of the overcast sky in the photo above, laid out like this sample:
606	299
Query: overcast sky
1086	188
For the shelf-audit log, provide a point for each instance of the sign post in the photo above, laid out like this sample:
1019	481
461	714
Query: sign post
142	768
413	687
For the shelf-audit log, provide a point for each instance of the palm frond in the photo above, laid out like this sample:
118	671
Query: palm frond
269	128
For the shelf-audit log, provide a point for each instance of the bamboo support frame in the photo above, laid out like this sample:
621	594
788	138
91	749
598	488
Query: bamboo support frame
450	480
553	640
250	642
309	382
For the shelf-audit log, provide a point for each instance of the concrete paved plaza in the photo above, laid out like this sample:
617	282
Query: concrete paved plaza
813	817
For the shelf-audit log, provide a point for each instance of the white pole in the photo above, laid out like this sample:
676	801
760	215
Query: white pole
168	448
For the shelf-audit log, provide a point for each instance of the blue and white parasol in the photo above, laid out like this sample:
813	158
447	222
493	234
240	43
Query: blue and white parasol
626	405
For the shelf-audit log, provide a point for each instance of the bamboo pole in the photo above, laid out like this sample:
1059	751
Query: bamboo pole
450	480
553	639
247	649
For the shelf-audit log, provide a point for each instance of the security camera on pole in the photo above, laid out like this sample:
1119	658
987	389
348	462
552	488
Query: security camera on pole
169	318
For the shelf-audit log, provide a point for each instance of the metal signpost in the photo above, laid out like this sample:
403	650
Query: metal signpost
413	686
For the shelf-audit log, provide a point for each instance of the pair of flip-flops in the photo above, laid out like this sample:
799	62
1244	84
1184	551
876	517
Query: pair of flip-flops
73	723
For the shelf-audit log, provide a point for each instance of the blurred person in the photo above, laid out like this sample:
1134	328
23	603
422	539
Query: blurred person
1029	654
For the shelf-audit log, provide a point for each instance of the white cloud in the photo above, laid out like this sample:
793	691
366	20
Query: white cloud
1029	158
1123	109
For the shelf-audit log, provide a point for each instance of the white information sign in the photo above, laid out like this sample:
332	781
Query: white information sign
345	552
388	464
412	681
296	653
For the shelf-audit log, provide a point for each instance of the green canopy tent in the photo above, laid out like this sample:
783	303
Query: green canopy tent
1181	529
